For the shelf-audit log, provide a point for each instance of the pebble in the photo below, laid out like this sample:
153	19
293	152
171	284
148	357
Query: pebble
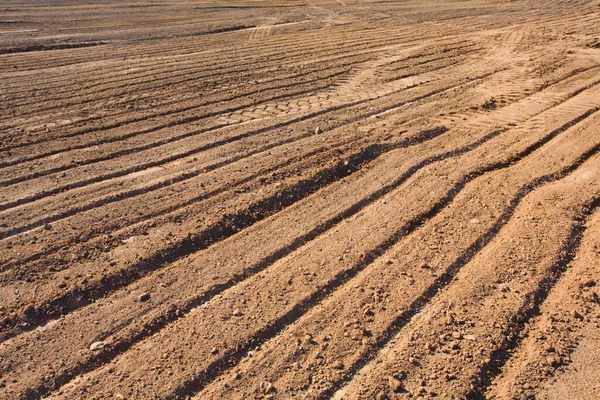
214	350
318	130
470	337
395	384
97	346
266	387
144	297
338	365
47	227
237	312
553	361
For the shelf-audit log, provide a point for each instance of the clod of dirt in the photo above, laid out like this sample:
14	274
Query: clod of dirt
267	387
144	297
395	384
97	346
490	104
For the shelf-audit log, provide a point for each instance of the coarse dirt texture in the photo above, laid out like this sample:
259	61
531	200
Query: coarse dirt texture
299	199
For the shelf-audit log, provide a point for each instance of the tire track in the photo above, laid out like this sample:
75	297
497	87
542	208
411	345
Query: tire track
190	152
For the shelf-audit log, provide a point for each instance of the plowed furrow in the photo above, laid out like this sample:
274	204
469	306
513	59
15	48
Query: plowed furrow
214	143
532	107
328	278
395	287
557	349
276	64
344	61
520	271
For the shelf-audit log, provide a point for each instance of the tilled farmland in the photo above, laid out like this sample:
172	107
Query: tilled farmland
291	199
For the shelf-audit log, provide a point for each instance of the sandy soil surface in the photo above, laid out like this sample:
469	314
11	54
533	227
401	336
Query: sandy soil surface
289	199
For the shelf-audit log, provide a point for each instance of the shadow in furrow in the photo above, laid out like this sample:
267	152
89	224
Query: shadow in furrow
444	279
226	227
531	306
233	356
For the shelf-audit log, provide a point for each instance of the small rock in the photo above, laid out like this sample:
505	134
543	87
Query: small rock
549	348
237	313
318	130
588	283
144	297
338	365
554	361
450	377
474	221
47	227
214	350
97	346
84	238
470	337
395	384
456	335
578	316
266	387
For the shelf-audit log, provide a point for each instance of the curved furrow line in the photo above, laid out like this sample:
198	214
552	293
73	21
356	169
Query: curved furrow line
155	74
227	140
532	303
274	63
452	153
393	290
39	254
181	121
273	327
176	310
29	258
451	272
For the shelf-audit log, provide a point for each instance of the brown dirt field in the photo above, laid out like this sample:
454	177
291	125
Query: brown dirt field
316	199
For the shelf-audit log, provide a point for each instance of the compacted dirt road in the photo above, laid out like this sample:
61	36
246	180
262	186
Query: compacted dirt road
299	199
